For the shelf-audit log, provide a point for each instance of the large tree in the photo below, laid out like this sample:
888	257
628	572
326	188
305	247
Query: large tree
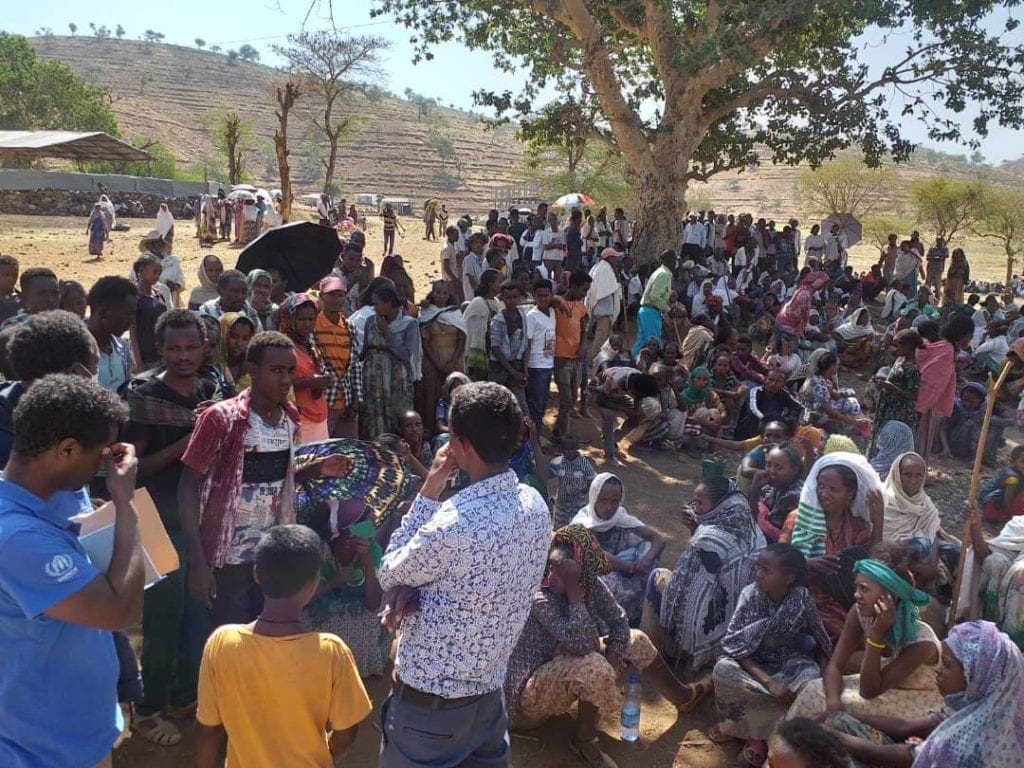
690	89
285	97
845	185
948	206
1000	219
333	66
232	134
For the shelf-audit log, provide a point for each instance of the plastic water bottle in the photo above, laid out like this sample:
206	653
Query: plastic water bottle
631	708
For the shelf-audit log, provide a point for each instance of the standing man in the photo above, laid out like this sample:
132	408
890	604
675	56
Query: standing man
574	241
887	260
570	326
323	211
516	227
694	233
58	690
603	300
112	304
459	578
161	412
540	352
337	342
548	246
794	227
836	246
654	302
935	266
353	272
473	265
449	261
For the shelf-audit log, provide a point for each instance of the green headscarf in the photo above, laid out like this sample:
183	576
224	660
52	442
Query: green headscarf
694	395
903	630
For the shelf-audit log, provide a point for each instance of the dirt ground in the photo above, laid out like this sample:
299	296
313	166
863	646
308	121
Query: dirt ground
655	488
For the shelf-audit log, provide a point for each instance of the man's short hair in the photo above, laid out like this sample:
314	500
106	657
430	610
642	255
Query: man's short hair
87	413
261	342
6	260
580	278
227	276
178	318
543	283
488	415
288	557
34	273
49	342
110	291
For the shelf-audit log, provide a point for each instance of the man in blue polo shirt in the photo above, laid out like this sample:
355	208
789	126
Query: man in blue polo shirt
58	668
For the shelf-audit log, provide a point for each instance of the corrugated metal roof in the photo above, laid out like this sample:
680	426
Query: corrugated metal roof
68	144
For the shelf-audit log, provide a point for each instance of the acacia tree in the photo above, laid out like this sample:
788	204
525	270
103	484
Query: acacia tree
332	66
947	205
1000	219
687	89
845	185
72	28
285	95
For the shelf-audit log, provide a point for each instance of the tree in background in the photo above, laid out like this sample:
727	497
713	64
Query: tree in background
948	206
845	185
200	43
285	95
449	165
421	102
687	90
233	57
248	53
1000	219
332	66
41	95
152	36
877	227
215	48
119	32
232	135
72	28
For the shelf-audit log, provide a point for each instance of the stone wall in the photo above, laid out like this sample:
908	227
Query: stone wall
59	202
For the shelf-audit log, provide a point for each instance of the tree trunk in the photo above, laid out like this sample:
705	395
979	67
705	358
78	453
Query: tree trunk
331	162
1009	265
660	209
286	98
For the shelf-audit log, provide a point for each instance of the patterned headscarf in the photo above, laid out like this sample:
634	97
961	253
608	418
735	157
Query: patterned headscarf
893	439
286	325
585	551
837	443
987	725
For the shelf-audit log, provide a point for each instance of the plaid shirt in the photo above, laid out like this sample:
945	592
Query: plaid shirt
338	345
216	450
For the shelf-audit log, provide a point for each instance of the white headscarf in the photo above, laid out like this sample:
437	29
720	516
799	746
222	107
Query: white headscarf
723	290
852	329
1010	542
587	516
907	516
164	220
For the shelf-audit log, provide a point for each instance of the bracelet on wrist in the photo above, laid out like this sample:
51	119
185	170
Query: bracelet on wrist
874	643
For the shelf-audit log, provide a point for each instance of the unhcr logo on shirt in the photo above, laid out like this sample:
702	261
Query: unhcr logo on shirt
61	568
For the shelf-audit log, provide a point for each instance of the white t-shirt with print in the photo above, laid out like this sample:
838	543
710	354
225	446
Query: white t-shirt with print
540	330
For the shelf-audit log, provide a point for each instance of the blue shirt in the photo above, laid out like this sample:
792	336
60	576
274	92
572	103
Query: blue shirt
58	681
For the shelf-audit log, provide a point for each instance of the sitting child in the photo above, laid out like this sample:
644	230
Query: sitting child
1000	497
574	472
276	694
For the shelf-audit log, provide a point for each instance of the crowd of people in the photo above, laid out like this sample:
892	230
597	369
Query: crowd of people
339	466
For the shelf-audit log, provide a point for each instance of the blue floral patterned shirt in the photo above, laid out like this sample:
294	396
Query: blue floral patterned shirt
477	560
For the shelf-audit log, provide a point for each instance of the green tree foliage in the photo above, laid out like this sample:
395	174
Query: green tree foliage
72	28
999	218
233	136
690	88
878	226
947	205
845	185
119	32
40	95
233	57
248	53
421	102
200	43
152	36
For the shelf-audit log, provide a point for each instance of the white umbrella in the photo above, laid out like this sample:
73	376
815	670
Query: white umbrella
573	200
848	225
243	188
241	194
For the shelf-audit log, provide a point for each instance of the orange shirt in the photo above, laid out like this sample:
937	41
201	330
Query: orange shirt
568	323
335	341
313	409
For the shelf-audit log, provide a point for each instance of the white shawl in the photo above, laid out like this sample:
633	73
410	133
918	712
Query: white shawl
587	516
604	284
1009	542
907	516
164	220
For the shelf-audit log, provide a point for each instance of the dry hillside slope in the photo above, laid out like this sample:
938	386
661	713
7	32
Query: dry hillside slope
166	93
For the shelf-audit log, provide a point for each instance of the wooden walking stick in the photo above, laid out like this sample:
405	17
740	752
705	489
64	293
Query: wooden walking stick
993	388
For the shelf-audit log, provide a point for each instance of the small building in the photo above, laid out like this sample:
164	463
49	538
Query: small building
402	206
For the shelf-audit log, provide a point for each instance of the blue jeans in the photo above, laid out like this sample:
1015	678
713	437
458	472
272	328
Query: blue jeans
538	387
648	321
469	733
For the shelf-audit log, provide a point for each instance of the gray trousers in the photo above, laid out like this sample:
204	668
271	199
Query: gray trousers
469	733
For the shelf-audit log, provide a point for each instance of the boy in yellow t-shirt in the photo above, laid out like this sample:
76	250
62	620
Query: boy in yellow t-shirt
279	695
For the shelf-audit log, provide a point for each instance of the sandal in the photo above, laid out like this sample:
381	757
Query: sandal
754	754
718	736
591	755
694	693
154	728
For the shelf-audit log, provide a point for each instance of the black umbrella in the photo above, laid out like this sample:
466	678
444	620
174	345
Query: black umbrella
305	252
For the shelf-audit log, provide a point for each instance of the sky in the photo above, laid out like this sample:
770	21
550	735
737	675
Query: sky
451	77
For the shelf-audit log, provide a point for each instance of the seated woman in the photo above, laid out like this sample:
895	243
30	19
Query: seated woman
960	432
775	490
755	450
993	582
770	647
981	677
671	360
705	413
724	384
764	317
830	407
898	389
839	517
911	518
786	359
817	334
900	653
631	547
893	439
804	743
559	660
687	609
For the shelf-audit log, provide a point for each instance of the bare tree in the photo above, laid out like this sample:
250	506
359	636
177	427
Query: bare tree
286	96
332	65
232	134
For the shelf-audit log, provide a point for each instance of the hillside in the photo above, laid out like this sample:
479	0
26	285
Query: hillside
165	93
